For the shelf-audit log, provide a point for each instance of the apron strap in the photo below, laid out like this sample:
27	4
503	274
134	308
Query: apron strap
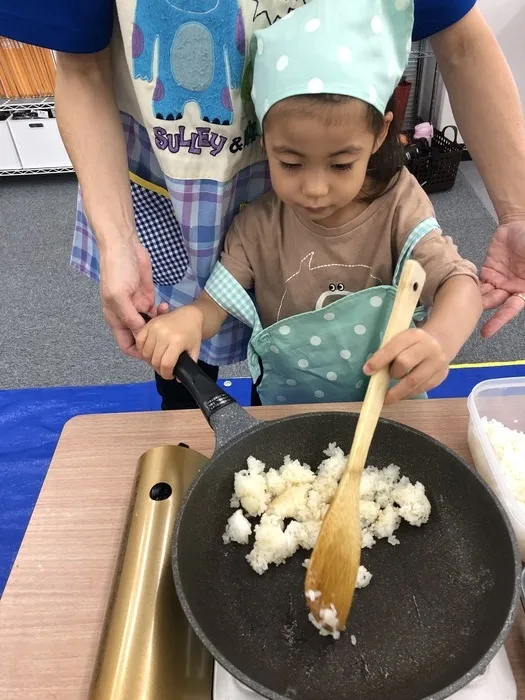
232	297
411	242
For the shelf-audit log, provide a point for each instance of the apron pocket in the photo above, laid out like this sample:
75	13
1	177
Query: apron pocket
160	233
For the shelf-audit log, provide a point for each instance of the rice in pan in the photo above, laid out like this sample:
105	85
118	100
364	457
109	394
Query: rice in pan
287	506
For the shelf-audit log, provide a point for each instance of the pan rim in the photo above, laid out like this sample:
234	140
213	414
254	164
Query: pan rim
269	694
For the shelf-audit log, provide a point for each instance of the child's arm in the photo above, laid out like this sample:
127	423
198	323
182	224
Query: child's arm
165	337
420	357
213	315
455	314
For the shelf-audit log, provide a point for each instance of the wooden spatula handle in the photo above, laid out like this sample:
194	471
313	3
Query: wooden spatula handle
407	297
408	294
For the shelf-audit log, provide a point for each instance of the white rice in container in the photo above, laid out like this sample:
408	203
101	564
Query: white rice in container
509	447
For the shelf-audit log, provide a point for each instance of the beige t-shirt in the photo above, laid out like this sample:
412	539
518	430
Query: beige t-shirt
295	265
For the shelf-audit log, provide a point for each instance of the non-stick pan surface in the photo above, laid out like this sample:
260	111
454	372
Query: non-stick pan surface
436	611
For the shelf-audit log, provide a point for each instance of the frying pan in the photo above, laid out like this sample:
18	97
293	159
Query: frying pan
439	605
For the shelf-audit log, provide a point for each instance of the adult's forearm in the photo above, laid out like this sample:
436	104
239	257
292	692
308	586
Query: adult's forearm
487	109
90	126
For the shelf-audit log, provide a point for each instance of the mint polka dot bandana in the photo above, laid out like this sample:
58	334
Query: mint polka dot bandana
358	48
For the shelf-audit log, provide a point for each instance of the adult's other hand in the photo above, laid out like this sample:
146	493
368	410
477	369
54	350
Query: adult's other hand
503	276
126	289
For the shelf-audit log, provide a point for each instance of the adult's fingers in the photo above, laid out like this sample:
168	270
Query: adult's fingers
128	315
485	288
125	340
511	284
123	335
510	309
492	298
488	275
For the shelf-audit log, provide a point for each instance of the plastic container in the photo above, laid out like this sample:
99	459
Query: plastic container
504	401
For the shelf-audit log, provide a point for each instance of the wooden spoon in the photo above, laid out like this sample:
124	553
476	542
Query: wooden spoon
334	562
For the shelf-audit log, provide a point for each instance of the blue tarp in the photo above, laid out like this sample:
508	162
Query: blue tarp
462	380
31	421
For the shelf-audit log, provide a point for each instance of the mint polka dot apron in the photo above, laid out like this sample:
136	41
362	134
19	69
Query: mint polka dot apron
316	356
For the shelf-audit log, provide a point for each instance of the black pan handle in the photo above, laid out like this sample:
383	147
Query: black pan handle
223	413
209	397
227	419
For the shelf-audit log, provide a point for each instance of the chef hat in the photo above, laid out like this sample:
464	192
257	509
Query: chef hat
358	48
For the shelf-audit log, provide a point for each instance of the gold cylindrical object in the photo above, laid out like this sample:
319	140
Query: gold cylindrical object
148	651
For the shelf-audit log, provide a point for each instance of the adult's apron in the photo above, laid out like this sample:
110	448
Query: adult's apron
316	356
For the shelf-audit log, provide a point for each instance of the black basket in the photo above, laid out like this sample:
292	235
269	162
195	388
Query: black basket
436	170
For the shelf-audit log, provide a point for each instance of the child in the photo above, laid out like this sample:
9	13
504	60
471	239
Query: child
324	250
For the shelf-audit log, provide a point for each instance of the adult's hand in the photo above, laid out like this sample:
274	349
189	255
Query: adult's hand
503	276
89	121
466	53
126	289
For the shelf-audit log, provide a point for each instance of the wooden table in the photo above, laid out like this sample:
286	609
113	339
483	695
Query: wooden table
54	603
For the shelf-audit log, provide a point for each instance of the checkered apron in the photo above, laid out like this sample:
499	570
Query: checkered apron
316	356
182	223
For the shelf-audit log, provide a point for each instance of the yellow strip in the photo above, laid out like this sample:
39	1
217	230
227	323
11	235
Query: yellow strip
512	363
149	185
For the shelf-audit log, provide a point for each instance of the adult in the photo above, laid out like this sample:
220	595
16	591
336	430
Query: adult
159	92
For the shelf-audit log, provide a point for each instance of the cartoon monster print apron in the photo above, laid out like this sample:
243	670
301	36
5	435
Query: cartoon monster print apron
316	356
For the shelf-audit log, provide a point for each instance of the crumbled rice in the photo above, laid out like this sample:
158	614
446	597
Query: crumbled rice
301	496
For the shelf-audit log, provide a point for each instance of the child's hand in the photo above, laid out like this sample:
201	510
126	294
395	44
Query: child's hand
417	360
165	337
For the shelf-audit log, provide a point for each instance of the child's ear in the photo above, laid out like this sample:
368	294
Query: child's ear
263	145
387	122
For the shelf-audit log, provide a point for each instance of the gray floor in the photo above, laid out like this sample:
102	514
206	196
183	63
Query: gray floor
51	329
465	212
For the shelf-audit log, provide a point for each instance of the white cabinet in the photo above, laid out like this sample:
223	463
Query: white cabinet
30	143
9	159
38	143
